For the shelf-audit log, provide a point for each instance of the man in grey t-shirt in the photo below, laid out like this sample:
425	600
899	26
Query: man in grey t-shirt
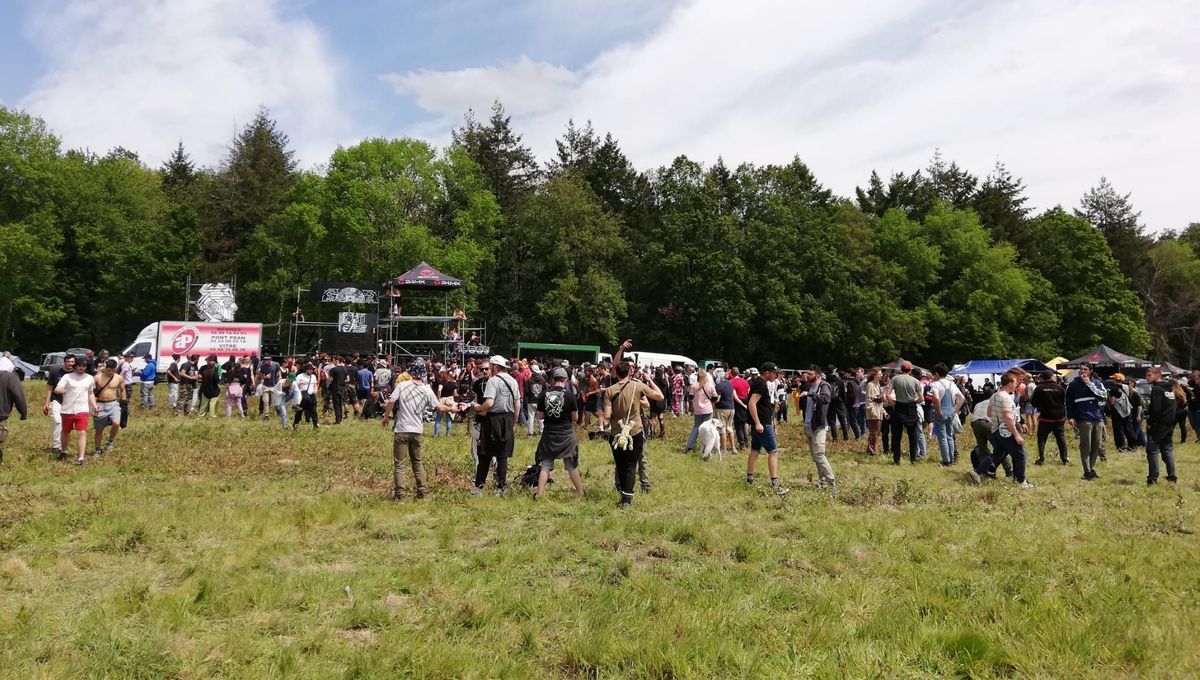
906	396
501	400
411	399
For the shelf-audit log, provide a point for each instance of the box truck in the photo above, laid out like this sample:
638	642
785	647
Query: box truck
164	338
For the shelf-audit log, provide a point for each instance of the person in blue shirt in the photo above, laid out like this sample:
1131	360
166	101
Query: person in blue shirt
1086	398
148	375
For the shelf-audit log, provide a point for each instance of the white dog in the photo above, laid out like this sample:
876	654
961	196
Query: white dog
710	439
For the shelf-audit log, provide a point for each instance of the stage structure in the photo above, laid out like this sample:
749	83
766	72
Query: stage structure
418	319
342	318
345	318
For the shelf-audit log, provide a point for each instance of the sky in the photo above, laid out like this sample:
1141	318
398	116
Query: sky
1061	92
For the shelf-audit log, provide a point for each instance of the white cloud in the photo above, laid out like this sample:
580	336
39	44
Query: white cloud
531	86
143	74
1061	92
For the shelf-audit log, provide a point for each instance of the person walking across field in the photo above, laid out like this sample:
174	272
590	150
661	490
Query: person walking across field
762	433
53	405
501	401
1160	421
1006	437
12	395
111	390
78	401
306	385
411	399
1049	400
556	408
1085	400
621	403
817	398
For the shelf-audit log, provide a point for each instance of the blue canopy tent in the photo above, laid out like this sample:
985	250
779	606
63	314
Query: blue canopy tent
998	366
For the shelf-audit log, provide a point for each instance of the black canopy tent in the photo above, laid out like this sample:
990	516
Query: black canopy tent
1108	361
422	277
1106	357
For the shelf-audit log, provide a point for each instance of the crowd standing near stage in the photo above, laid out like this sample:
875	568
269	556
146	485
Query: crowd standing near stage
495	400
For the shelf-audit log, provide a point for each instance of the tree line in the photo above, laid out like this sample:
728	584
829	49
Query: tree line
739	263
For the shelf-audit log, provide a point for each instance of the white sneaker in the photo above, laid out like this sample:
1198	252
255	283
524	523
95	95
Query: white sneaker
1025	485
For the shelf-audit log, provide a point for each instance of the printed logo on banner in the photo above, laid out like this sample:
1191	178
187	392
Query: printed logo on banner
350	295
352	322
216	302
184	339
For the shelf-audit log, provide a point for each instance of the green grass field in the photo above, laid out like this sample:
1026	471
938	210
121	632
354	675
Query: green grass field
231	549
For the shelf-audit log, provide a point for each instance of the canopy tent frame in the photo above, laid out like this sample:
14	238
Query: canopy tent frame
999	366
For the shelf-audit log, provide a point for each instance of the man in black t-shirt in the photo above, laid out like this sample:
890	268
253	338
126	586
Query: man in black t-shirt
556	408
173	382
337	388
189	373
762	434
535	387
268	377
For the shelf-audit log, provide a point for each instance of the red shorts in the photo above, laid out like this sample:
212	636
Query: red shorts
74	421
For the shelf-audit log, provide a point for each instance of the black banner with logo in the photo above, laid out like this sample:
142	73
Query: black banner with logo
345	293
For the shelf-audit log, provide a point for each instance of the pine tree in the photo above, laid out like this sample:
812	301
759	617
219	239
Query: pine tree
251	187
178	171
509	166
1000	203
1114	216
951	183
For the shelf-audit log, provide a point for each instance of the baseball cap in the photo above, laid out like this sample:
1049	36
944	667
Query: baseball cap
536	369
499	361
559	373
768	367
752	371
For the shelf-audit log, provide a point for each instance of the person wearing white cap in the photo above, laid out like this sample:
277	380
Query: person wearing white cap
501	401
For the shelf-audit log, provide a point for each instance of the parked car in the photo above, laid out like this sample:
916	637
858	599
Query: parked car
50	361
82	352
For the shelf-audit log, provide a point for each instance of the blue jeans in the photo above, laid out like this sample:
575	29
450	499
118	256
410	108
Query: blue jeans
281	408
438	419
945	436
1166	448
921	443
1003	447
697	421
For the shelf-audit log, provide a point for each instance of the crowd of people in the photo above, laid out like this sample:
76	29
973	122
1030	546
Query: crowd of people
495	399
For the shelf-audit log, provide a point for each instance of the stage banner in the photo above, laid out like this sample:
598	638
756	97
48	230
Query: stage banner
344	293
357	322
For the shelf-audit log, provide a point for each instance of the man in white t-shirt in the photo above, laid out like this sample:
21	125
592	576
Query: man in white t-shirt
306	384
78	391
411	399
